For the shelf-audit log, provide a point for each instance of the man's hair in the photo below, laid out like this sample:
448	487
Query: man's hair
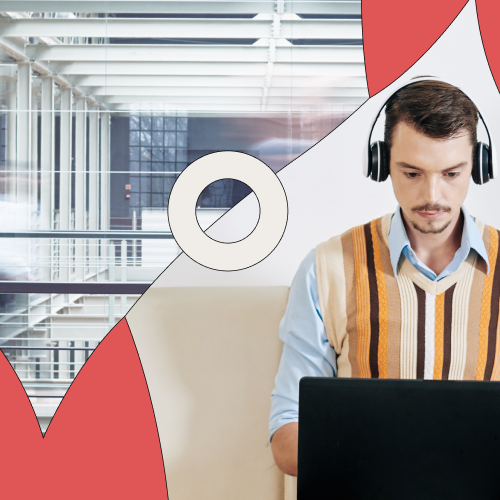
433	108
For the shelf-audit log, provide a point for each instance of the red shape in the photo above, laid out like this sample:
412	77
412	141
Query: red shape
397	33
488	13
102	442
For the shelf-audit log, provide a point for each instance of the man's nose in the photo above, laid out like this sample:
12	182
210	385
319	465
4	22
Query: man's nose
431	189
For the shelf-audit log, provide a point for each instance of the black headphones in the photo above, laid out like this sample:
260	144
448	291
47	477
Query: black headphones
377	160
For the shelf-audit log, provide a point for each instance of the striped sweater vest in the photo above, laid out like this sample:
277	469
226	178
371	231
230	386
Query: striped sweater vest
408	326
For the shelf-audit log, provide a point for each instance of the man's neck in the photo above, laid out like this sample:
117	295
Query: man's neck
436	251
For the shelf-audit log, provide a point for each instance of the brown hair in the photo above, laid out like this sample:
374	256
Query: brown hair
433	108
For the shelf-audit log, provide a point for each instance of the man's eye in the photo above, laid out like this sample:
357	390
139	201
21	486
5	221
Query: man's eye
411	175
452	174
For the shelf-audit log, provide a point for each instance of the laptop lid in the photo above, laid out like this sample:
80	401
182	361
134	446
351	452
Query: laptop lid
398	439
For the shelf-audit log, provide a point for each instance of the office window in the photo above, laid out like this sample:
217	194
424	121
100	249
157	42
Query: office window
158	153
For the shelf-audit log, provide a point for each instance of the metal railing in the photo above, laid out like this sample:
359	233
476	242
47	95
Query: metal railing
52	366
47	363
51	322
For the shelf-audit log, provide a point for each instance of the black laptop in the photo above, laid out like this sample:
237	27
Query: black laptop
398	439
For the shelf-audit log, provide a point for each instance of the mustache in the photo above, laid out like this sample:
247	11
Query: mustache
431	208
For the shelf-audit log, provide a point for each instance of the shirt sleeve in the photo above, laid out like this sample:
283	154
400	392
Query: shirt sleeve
306	350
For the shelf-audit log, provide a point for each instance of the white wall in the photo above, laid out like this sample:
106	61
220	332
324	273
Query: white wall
327	193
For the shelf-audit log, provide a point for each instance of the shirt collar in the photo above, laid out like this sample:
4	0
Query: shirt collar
398	239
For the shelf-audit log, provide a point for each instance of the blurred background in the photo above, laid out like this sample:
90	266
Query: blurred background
103	104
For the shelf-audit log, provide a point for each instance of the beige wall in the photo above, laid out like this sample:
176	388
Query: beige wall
210	356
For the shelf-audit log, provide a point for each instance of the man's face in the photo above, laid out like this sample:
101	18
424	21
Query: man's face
430	177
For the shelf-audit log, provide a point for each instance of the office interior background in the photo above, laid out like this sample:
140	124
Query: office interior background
100	112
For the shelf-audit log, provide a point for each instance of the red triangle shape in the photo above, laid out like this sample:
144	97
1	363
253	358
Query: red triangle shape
488	13
396	34
102	442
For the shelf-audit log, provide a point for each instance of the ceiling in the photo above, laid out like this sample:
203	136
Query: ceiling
193	56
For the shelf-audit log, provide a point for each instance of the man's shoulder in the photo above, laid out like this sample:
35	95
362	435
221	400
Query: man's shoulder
483	227
382	224
334	240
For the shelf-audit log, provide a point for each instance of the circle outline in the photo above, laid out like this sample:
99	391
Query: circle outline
199	235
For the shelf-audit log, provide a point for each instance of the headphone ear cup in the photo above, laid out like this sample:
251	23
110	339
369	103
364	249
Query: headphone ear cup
486	157
384	161
374	161
379	161
367	167
481	165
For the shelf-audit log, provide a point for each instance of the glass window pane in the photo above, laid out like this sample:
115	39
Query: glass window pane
169	123
134	199
168	183
157	154
134	138
145	199
134	165
157	186
169	167
169	154
146	183
169	139
182	123
146	154
146	166
181	139
134	154
134	183
145	138
146	123
157	138
157	123
182	154
134	123
157	167
157	200
181	166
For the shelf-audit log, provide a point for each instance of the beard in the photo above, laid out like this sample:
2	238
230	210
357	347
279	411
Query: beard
430	229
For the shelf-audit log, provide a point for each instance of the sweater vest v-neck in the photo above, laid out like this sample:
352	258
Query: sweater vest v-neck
409	326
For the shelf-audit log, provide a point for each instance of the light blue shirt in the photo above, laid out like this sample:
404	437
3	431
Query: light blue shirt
399	243
306	350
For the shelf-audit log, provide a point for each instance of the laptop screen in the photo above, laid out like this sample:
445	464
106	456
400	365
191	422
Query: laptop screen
401	439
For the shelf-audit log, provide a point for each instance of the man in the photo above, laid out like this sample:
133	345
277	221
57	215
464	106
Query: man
414	294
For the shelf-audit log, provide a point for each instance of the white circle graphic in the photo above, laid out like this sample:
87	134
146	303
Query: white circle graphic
243	253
